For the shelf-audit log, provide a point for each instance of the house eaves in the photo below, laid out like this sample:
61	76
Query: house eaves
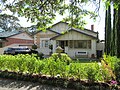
90	30
48	30
72	29
9	34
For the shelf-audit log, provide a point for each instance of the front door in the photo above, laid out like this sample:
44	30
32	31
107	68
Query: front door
62	45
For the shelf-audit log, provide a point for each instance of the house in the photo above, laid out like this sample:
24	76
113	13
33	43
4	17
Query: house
75	42
15	38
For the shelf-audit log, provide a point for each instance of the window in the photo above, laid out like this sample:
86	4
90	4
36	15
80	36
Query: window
80	44
45	43
84	44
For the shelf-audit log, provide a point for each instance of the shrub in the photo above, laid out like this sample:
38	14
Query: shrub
106	72
76	70
111	65
60	65
117	71
34	46
39	66
91	73
50	67
40	55
63	57
54	68
110	60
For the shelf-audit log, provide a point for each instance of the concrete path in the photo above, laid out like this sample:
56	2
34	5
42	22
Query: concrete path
7	84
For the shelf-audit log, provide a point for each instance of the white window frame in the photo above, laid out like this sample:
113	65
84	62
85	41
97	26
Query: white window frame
43	44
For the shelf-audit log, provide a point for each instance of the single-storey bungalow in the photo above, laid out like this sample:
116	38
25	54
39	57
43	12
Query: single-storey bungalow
75	42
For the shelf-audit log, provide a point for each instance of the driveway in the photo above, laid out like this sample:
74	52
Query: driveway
7	84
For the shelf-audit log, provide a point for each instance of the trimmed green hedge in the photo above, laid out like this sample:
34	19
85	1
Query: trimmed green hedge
60	66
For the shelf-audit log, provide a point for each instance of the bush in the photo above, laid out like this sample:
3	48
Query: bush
60	65
117	71
112	66
63	57
76	70
34	46
40	55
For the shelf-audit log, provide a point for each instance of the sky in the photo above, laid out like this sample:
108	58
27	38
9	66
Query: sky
99	24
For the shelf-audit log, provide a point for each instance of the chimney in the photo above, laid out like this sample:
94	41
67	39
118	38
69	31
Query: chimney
92	27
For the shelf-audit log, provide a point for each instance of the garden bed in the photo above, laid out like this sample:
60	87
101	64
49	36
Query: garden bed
71	83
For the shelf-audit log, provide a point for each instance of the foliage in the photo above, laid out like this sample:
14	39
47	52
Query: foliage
51	46
112	65
9	22
74	84
112	34
117	70
108	31
114	2
77	70
34	46
58	66
110	60
40	55
63	57
43	12
93	72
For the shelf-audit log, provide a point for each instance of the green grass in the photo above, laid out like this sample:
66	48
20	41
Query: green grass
85	60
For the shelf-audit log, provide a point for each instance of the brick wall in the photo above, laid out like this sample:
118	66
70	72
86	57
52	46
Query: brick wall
39	35
18	41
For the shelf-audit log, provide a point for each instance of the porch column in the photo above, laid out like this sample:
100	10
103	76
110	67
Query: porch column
93	47
54	46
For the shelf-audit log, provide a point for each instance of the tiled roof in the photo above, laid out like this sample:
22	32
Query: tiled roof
8	33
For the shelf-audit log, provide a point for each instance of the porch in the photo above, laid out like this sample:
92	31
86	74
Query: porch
76	48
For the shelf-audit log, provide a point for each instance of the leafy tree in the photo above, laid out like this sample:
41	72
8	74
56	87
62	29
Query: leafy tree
108	31
118	31
9	22
113	39
32	29
77	14
43	12
113	35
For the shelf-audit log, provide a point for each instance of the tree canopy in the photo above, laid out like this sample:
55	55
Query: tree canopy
9	22
112	30
43	12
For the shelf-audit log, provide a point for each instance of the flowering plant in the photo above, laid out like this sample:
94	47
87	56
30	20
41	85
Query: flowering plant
113	84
